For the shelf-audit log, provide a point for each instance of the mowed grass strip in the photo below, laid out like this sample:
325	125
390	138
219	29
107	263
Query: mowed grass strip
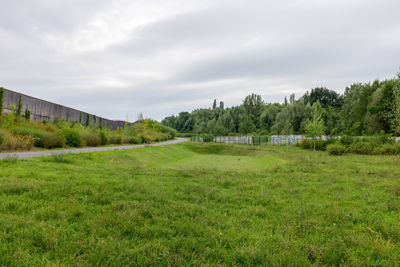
200	204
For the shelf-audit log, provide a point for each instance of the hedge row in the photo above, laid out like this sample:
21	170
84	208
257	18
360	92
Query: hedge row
378	145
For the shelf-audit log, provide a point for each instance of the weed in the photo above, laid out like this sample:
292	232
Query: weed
60	158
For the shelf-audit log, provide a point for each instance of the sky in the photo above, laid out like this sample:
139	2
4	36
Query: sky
119	58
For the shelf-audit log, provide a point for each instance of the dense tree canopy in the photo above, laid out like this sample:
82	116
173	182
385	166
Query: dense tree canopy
364	108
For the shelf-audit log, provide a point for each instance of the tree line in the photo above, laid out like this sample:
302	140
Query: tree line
363	109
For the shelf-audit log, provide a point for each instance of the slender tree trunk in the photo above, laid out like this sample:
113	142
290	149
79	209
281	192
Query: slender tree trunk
314	144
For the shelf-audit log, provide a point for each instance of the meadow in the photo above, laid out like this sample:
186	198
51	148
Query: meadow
201	204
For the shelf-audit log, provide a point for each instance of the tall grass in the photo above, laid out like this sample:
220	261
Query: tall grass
19	133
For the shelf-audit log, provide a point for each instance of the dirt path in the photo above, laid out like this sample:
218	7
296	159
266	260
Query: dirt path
22	155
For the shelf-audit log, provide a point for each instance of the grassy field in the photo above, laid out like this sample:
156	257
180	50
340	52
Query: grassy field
201	204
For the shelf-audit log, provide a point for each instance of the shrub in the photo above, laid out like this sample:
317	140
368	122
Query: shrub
17	142
72	138
309	144
138	139
347	140
207	137
362	147
27	114
114	139
50	140
103	138
91	139
336	149
125	139
387	149
42	138
1	139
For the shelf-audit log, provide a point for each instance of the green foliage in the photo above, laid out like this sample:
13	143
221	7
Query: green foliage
253	105
207	138
24	134
19	109
314	144
138	139
27	114
362	147
72	138
87	120
387	149
60	158
91	139
314	128
1	100
364	108
336	149
42	138
103	138
80	117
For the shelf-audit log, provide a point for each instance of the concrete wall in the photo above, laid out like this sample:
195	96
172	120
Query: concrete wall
42	110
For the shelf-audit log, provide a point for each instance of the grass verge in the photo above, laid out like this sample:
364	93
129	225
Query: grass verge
201	204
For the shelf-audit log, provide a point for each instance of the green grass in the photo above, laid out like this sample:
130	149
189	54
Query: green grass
200	204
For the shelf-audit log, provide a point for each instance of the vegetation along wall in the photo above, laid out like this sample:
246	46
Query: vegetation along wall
41	110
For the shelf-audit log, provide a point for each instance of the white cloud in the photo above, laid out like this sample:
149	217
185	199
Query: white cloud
123	57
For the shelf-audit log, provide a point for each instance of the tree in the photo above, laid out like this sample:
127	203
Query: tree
1	100
326	97
381	109
214	104
315	128
87	120
253	105
221	105
396	106
246	125
19	107
27	114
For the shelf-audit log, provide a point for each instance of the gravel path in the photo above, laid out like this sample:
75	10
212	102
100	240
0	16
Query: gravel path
23	155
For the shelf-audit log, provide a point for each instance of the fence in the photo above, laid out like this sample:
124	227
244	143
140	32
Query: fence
248	140
286	139
257	140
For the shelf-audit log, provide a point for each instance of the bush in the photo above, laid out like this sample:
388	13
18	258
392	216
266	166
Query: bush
50	140
103	138
91	139
309	144
17	142
138	139
72	138
362	147
42	138
114	139
347	140
207	137
336	149
387	149
1	139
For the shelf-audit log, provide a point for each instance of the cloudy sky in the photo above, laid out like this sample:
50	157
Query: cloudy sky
117	58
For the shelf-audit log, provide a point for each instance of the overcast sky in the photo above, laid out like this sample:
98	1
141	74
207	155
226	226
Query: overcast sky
117	58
